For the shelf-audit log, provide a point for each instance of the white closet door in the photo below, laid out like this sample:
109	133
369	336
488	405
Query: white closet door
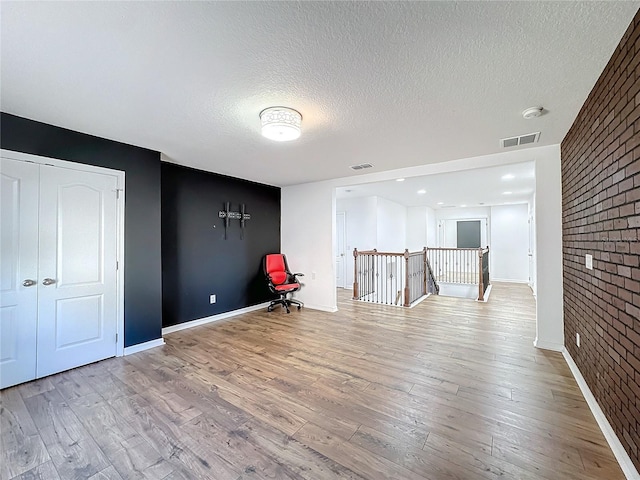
77	302
18	271
341	250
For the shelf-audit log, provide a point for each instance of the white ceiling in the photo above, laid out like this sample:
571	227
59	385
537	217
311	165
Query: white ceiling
468	188
395	84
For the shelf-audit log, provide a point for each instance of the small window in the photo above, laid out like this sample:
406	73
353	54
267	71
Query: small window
469	234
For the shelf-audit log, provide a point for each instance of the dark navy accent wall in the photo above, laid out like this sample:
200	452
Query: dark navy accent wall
197	261
143	275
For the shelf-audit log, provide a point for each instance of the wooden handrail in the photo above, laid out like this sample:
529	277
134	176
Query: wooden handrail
375	252
451	248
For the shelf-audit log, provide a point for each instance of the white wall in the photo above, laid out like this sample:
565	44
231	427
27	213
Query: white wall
308	226
532	245
416	228
462	213
432	228
361	220
421	228
509	250
361	232
548	215
447	224
391	226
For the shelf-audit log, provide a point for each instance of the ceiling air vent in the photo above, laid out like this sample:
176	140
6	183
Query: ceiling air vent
521	140
361	166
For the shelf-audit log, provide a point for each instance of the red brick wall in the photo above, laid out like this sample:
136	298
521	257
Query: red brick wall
601	217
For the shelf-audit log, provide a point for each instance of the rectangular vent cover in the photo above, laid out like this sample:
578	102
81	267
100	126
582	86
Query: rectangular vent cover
361	166
521	140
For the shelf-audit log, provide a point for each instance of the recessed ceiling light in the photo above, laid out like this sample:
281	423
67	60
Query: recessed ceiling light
507	193
440	203
508	176
422	191
399	179
463	206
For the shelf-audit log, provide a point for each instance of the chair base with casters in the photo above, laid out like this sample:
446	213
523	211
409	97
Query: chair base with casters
285	303
281	281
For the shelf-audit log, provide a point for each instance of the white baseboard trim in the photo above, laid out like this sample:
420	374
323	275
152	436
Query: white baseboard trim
487	292
555	347
213	318
322	308
508	280
420	300
143	346
620	453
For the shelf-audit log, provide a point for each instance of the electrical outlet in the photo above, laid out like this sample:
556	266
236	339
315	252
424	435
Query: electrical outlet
578	339
212	299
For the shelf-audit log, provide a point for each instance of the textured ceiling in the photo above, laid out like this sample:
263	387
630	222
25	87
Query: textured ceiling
395	84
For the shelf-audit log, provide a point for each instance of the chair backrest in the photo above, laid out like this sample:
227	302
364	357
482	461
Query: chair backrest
275	267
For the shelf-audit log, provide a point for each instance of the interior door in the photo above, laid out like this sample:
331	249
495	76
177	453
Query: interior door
341	257
77	290
18	270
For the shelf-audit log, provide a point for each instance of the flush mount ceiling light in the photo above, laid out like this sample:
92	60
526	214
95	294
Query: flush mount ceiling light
440	203
507	193
399	179
422	191
281	124
532	112
508	176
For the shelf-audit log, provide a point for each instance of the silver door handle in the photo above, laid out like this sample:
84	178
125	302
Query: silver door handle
29	283
48	281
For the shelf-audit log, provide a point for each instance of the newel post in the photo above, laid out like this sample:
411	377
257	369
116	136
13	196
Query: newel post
406	278
424	270
480	285
355	273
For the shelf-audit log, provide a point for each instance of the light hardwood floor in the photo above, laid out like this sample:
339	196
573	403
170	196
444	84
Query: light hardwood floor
451	389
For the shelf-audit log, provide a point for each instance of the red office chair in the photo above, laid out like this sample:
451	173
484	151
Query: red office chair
281	281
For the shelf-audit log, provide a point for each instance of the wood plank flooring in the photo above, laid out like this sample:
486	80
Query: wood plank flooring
451	389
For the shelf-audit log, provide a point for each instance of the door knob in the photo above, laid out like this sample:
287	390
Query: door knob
48	281
29	283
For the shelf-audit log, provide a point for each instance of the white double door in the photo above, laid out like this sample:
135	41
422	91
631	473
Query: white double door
58	277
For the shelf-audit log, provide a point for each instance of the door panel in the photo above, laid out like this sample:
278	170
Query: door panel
80	236
77	320
340	250
70	333
19	264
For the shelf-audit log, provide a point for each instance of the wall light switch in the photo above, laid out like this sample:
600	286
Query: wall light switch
212	299
589	261
313	275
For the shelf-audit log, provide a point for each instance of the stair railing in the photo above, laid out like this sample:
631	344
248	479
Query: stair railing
392	278
461	266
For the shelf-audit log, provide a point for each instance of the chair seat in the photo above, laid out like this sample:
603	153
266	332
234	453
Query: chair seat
286	287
